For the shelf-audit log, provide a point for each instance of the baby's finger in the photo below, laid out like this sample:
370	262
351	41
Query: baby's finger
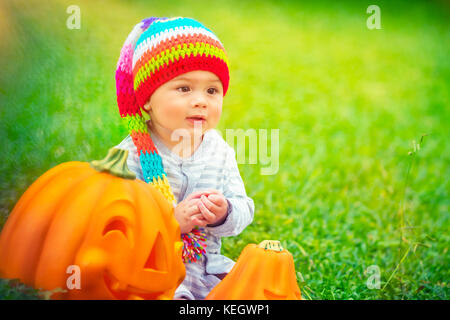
195	195
209	204
217	199
209	218
212	191
199	221
198	194
208	215
193	209
197	216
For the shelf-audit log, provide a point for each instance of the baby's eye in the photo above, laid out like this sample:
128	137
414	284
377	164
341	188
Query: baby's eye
212	90
182	89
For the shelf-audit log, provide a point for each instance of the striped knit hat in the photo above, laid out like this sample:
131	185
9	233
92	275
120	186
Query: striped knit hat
156	51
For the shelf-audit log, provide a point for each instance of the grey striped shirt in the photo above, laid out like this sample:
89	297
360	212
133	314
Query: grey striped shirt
212	166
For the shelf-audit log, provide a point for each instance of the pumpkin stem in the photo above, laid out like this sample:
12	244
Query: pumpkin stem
114	163
274	245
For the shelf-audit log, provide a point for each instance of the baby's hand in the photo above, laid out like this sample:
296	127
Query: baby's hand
188	214
214	207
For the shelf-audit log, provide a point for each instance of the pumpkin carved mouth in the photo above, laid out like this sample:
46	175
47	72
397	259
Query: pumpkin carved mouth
122	291
156	263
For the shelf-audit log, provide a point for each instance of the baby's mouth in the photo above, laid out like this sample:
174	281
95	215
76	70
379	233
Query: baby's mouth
196	119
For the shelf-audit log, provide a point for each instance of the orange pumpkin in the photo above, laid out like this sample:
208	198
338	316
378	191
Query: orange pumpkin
118	232
262	272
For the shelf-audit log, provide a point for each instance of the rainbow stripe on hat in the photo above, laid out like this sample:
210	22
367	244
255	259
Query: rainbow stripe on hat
171	47
156	51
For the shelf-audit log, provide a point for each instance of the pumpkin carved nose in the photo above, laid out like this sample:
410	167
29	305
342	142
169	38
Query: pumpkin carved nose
157	259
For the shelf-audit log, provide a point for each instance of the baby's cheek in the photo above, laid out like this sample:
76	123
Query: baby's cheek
175	116
217	114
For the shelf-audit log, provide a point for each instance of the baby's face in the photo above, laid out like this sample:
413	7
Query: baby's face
177	103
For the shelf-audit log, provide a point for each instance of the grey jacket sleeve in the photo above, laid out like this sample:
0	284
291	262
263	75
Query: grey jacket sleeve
240	207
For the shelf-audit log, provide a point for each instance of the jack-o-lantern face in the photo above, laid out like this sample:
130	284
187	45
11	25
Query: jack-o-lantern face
262	272
120	233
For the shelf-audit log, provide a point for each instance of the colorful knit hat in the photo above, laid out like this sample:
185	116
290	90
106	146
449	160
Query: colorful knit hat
156	51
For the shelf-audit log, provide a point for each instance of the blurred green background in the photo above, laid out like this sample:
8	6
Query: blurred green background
350	104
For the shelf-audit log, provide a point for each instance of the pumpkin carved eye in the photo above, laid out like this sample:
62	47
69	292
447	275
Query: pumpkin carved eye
157	259
118	224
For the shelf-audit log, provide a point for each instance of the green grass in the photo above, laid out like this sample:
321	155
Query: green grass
348	102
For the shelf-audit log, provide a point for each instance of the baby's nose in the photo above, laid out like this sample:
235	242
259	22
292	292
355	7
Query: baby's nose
199	102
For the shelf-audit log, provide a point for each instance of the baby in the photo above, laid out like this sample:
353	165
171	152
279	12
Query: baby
176	70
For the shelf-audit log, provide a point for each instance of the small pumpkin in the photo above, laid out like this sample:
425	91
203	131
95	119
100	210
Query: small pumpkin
97	216
262	272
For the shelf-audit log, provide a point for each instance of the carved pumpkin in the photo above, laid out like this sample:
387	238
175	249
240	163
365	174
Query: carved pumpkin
117	231
262	272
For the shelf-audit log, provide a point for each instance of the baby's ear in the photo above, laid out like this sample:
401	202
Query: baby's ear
147	107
